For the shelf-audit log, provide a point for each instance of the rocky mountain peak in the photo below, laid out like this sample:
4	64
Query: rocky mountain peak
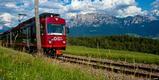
98	19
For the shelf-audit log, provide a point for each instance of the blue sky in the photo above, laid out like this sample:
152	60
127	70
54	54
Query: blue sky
9	9
145	4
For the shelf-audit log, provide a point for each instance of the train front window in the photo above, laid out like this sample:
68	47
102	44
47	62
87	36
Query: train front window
55	29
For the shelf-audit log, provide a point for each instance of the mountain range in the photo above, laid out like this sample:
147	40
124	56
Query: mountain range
94	24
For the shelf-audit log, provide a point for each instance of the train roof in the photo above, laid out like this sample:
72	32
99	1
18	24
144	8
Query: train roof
43	15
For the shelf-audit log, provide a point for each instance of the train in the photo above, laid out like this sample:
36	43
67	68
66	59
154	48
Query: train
53	32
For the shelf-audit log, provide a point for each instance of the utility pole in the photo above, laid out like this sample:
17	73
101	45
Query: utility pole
38	36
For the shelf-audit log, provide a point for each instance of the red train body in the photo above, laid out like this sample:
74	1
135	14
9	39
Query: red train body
53	34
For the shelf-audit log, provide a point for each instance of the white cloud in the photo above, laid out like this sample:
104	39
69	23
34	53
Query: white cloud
43	1
68	8
131	11
155	4
7	19
11	5
66	1
9	10
155	8
113	7
51	5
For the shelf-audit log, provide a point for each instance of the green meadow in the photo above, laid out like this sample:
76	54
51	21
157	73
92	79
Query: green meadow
128	56
16	65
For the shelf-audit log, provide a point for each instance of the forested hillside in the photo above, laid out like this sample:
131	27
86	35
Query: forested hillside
118	42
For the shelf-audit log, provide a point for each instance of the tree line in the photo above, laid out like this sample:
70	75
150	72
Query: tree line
118	42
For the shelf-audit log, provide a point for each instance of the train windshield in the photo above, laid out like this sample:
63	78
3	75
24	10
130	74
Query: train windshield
55	29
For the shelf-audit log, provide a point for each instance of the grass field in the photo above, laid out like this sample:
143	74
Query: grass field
128	56
16	65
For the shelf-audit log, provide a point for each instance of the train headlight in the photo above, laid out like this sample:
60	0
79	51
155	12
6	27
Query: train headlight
64	42
50	41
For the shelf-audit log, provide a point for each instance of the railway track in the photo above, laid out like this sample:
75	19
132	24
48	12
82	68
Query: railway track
136	70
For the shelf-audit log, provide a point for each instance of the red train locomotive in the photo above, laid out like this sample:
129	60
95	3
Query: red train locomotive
53	34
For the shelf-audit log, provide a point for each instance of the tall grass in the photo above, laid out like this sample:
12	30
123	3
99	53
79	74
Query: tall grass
128	56
21	66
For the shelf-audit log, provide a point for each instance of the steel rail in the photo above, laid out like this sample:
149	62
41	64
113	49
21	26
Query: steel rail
139	71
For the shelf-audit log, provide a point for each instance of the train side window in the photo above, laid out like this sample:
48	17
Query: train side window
29	31
42	29
24	32
33	28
